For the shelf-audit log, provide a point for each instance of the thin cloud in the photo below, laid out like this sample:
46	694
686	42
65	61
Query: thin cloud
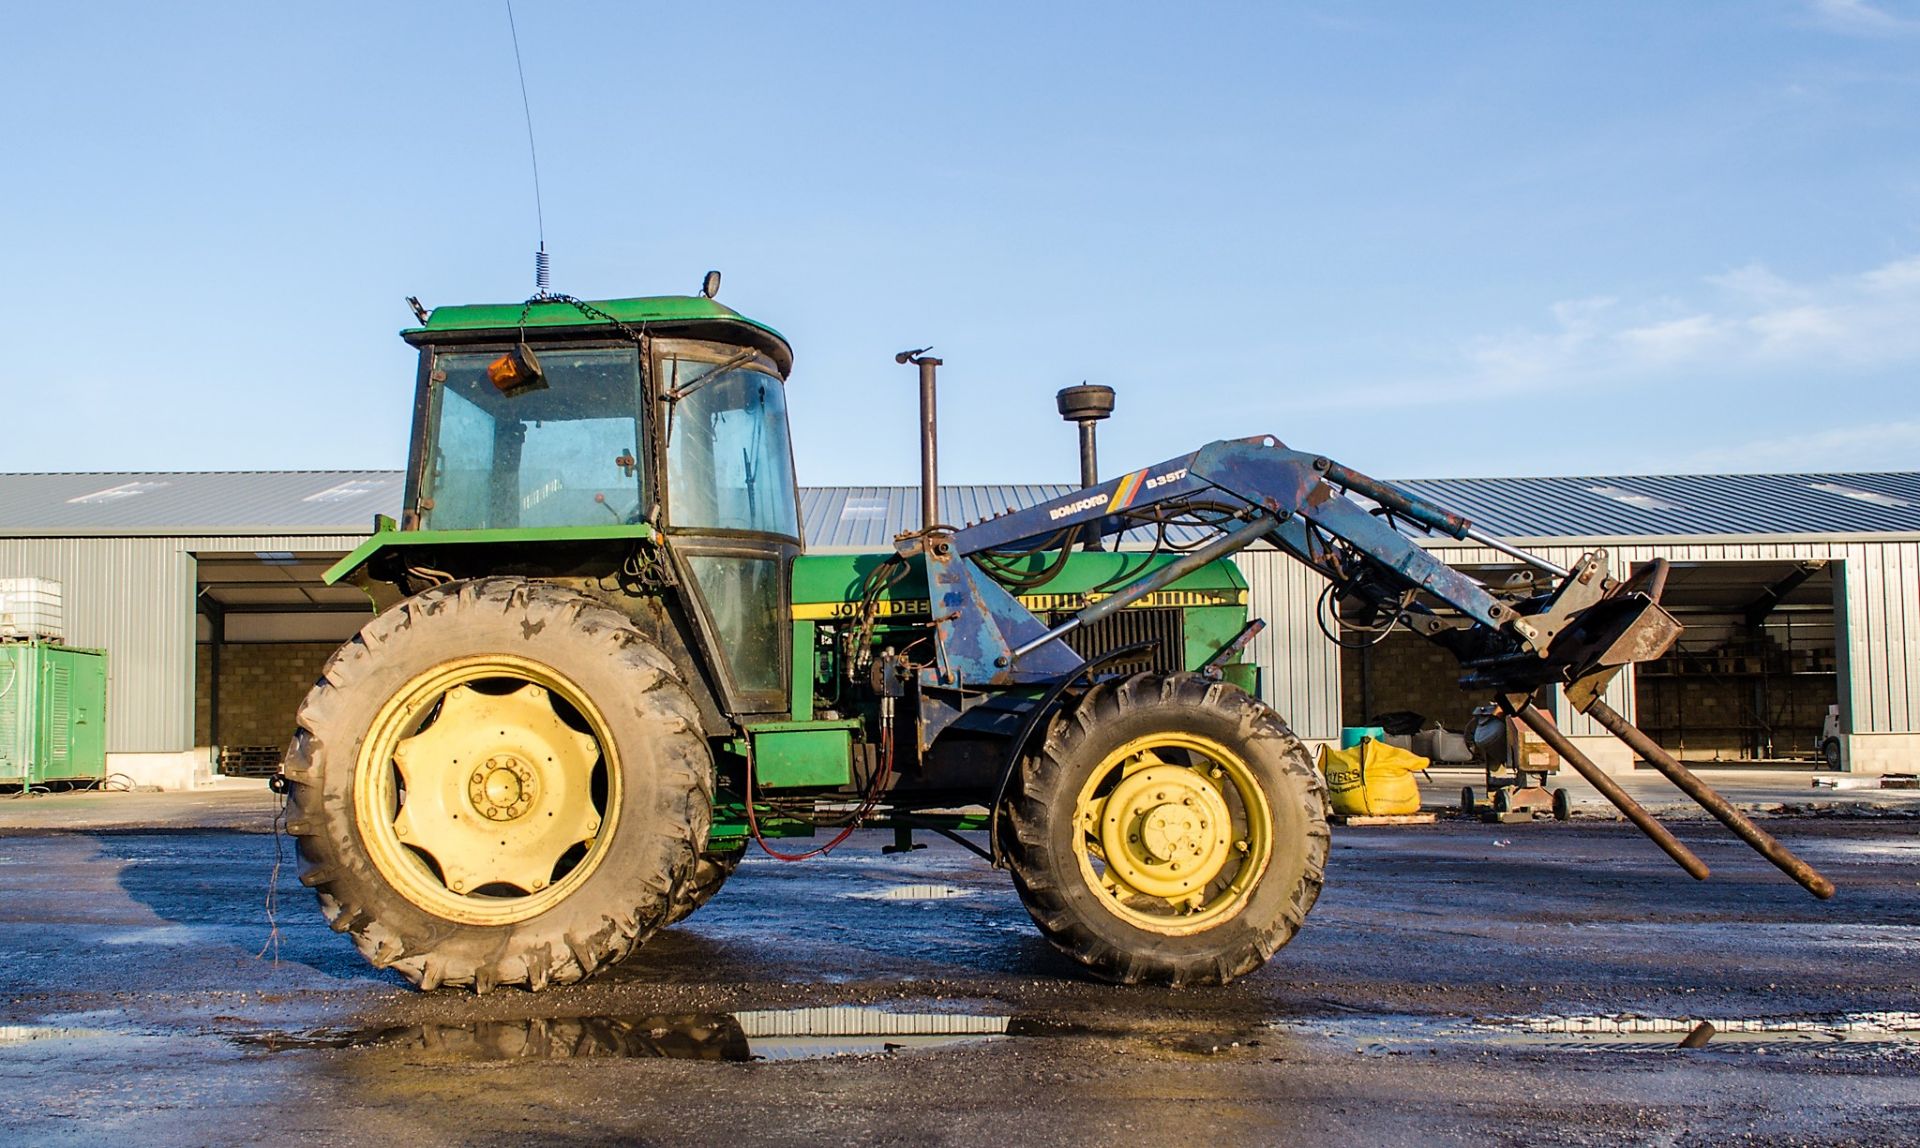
1875	446
1747	324
1861	18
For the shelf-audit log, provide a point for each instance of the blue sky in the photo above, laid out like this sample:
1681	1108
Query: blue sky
1427	239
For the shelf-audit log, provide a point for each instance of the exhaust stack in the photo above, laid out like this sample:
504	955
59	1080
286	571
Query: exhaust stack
1084	406
929	435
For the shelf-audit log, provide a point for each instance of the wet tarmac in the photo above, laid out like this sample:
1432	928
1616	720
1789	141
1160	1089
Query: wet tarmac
1460	982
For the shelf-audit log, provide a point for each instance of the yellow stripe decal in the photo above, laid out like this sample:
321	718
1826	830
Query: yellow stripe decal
1038	603
1123	494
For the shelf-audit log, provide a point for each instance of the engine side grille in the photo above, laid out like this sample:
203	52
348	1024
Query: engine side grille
1164	626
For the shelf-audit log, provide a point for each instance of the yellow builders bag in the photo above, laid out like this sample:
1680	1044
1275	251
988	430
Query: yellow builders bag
1372	779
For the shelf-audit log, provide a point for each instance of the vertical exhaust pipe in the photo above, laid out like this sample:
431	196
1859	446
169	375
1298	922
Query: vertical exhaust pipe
929	435
1084	406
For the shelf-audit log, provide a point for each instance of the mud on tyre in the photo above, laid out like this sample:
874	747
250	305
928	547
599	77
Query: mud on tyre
710	872
498	782
1169	829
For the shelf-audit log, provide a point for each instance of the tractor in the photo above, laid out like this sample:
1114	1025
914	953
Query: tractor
602	664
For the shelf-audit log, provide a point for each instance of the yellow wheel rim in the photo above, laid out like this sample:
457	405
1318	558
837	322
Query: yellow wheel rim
478	793
1174	832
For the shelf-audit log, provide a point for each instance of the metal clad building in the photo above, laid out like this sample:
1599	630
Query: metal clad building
127	550
152	563
1866	526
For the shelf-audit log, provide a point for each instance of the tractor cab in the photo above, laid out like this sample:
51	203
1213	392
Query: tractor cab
656	418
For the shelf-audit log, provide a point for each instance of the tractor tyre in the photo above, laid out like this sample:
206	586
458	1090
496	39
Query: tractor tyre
498	782
1169	829
709	873
1468	805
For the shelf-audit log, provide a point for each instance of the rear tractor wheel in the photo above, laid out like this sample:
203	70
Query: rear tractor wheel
1170	829
498	782
710	872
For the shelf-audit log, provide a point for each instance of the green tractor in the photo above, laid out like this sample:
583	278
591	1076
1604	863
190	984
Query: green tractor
601	663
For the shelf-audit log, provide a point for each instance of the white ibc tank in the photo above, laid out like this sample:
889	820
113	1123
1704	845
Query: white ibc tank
30	608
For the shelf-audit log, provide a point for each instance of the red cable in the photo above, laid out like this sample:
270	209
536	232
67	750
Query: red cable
867	805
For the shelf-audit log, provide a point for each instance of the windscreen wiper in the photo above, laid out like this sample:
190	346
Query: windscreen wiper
741	359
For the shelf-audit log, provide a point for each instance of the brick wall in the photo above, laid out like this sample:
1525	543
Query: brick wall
1407	673
260	688
1726	718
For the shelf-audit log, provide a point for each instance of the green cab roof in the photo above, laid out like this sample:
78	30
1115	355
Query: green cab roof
649	310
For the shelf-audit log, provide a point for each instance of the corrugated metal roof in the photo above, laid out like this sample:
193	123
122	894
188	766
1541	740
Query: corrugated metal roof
1641	506
863	518
196	502
860	519
1684	504
868	517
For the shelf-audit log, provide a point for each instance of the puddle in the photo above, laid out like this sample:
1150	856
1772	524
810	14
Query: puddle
1396	1035
913	893
800	1034
780	1034
18	1034
155	935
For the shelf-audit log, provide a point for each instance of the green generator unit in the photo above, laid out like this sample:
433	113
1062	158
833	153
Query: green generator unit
53	714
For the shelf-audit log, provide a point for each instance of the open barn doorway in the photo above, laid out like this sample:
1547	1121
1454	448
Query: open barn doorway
267	624
1754	677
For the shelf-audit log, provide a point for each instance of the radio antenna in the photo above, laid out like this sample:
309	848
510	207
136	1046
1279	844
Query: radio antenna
540	278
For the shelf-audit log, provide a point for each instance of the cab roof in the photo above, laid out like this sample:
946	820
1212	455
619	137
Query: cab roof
687	314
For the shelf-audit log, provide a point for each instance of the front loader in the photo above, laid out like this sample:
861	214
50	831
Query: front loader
601	664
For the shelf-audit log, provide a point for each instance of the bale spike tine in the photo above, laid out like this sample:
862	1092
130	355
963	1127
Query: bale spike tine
1763	843
1538	721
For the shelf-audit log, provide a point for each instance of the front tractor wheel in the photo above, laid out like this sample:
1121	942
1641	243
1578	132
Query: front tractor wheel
498	782
1170	830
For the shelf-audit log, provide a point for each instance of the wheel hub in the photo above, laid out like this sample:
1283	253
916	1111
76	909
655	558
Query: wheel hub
1174	831
503	789
1166	831
498	789
1169	832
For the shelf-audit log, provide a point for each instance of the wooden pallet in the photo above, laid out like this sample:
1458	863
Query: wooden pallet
1382	819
